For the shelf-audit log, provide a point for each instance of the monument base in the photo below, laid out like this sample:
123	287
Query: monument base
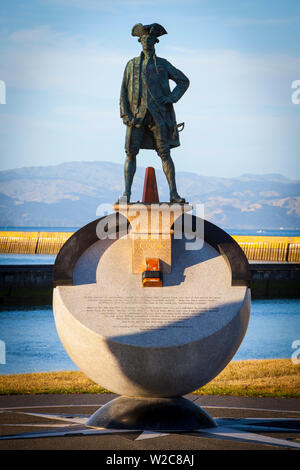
151	414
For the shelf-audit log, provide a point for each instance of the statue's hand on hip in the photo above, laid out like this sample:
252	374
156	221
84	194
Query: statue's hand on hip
165	100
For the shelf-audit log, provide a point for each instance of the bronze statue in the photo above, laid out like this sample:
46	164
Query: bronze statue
146	106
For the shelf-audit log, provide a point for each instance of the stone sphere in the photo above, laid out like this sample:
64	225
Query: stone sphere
151	342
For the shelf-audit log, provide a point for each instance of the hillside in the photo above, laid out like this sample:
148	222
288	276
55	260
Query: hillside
68	195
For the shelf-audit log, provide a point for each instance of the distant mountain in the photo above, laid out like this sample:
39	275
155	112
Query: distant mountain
69	194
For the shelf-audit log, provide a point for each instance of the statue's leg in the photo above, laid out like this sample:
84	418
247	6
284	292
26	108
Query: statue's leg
132	145
160	134
169	170
129	172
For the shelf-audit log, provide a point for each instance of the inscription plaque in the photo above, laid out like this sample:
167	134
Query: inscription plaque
143	248
147	312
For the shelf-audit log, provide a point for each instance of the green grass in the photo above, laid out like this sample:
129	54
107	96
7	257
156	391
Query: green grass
268	377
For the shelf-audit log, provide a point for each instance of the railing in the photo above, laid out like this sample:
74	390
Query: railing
280	249
44	243
256	248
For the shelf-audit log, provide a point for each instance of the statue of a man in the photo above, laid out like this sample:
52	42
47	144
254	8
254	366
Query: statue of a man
146	106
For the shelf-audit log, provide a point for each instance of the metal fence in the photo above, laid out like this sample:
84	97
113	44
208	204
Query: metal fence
280	249
45	243
256	248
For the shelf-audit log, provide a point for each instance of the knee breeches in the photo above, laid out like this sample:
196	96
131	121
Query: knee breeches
135	136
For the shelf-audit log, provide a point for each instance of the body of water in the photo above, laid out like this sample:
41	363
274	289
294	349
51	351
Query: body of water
282	232
9	258
32	343
266	233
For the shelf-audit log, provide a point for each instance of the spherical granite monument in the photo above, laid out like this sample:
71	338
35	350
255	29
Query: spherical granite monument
152	345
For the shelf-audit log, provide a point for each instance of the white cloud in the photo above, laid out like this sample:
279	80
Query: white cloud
109	5
231	78
244	21
51	61
236	109
41	35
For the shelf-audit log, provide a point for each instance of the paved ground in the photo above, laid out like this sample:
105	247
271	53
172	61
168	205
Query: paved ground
57	422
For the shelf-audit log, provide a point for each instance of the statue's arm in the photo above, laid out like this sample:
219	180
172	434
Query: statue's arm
125	112
182	82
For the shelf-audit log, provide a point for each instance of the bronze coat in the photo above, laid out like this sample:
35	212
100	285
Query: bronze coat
143	90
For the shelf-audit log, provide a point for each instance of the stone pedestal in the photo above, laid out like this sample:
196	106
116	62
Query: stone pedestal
151	231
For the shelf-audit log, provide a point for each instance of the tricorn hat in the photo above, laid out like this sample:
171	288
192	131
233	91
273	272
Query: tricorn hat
154	29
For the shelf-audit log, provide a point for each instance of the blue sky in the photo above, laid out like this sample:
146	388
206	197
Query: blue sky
63	60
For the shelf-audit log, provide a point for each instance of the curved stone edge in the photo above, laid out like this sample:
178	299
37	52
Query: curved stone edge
223	243
70	252
213	235
148	371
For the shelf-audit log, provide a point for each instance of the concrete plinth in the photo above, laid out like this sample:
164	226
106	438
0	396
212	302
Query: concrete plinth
151	231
